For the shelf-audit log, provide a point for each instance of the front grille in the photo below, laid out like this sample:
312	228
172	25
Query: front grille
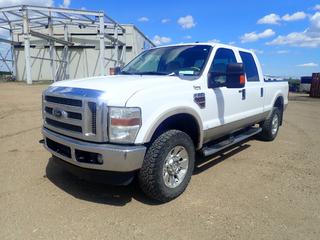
75	113
65	101
93	111
63	125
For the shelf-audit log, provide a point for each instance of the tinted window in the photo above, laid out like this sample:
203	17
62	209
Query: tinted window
218	69
250	67
179	60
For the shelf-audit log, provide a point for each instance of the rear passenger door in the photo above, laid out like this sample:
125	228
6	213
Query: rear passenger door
253	89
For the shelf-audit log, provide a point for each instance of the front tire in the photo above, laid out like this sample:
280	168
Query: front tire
168	166
270	127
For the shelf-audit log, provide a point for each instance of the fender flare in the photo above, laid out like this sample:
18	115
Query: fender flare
169	113
279	94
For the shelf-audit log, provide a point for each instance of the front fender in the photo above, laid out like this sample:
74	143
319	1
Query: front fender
150	124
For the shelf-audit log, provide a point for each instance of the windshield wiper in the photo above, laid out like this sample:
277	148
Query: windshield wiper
151	73
173	74
126	73
142	73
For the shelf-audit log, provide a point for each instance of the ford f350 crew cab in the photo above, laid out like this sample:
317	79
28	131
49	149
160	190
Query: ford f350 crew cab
164	106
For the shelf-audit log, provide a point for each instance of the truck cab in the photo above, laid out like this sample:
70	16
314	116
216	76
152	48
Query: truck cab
164	106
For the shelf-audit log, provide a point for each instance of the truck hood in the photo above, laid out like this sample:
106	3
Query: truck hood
119	88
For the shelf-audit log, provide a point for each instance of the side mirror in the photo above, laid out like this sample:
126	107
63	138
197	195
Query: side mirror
235	76
114	71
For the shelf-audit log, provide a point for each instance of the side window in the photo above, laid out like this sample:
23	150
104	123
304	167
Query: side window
218	70
250	67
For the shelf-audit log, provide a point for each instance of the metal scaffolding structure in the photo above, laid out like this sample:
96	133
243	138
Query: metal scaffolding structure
40	22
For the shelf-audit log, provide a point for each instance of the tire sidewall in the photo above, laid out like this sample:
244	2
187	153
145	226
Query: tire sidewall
179	139
275	112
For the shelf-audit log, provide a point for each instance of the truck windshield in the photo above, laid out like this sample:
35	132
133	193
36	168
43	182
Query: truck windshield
176	60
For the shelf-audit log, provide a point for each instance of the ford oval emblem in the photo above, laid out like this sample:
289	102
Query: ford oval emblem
58	113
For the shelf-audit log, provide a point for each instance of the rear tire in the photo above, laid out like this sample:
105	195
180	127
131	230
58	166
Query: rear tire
168	166
270	127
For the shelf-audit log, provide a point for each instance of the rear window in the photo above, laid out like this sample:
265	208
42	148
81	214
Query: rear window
250	67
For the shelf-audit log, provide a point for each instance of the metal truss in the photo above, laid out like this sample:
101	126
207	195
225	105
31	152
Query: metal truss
32	20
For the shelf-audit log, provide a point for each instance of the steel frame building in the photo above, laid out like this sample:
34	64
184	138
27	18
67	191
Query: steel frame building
33	21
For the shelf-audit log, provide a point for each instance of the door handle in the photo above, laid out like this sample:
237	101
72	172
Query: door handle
243	91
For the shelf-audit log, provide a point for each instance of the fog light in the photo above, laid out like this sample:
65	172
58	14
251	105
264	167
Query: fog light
100	159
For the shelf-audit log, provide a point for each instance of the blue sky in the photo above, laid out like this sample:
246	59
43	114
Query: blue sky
285	34
228	21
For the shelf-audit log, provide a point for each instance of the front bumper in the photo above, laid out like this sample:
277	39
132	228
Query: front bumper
115	158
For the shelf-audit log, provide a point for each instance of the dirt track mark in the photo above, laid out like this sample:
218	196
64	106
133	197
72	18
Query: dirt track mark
14	111
20	132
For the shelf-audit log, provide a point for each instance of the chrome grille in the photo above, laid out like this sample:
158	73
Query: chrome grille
73	115
76	113
62	125
93	111
65	101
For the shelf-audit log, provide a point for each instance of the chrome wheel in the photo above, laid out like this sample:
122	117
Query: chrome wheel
275	124
175	166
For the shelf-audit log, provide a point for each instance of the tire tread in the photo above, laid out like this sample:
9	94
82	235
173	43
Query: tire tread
149	182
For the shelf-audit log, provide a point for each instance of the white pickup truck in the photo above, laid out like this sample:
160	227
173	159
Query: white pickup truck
164	106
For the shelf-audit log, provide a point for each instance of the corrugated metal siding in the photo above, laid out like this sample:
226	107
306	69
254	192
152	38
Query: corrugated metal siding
315	85
84	59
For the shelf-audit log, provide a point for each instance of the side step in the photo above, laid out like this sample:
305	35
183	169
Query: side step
234	139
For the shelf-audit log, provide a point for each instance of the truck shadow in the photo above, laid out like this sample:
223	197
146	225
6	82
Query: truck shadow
120	195
204	163
92	191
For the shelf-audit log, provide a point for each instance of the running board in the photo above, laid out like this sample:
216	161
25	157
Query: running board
234	139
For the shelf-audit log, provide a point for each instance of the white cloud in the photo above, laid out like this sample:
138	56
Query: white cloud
254	36
257	51
270	19
214	41
158	40
311	64
317	7
294	17
187	37
276	19
65	4
283	51
308	38
165	20
186	22
315	22
232	43
143	19
6	3
297	39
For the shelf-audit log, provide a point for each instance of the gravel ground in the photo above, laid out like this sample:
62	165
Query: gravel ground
256	191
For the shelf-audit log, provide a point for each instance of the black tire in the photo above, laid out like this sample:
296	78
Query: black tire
151	174
267	134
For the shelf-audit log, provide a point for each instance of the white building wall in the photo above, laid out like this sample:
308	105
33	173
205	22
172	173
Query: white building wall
83	59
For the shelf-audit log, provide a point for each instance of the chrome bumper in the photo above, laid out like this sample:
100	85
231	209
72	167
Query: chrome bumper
115	157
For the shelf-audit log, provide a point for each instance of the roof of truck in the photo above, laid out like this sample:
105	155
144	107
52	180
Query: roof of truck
213	44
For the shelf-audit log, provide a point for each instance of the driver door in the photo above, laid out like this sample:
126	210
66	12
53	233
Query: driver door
225	106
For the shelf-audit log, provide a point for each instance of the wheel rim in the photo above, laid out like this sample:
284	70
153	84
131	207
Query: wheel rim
275	124
175	166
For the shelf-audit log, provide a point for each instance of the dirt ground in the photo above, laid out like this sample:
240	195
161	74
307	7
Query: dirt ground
256	191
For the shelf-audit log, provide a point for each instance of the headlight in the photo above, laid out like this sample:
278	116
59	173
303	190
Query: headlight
124	124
